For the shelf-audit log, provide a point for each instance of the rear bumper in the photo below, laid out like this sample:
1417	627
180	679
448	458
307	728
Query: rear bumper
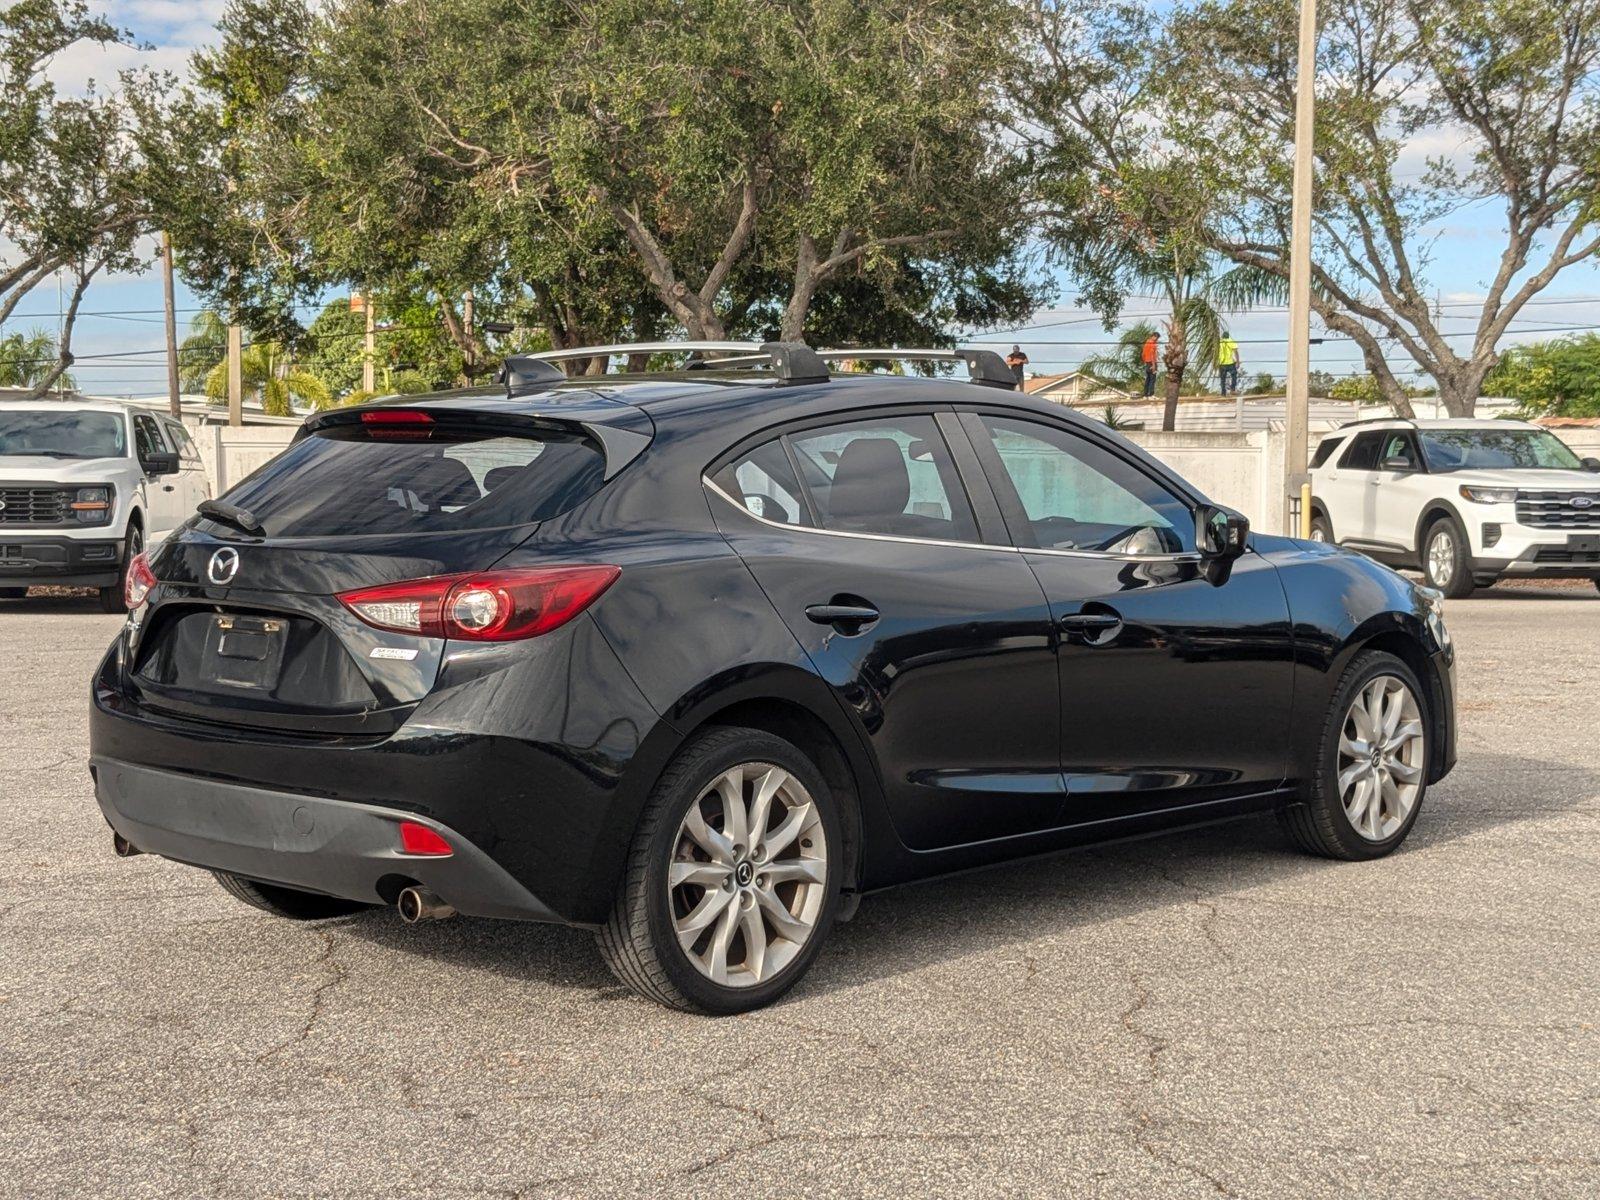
59	562
330	846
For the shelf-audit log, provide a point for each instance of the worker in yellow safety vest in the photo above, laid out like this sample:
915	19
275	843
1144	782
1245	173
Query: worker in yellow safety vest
1228	363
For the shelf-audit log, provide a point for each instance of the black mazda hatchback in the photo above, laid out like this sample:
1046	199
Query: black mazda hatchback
697	658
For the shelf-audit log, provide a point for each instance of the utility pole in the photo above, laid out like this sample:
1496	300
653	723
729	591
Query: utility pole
1298	399
172	325
235	374
368	368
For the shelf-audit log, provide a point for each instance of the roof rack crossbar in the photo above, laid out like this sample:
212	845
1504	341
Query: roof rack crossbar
984	367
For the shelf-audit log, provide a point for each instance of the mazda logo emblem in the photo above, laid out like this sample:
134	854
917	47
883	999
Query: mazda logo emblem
1581	501
224	565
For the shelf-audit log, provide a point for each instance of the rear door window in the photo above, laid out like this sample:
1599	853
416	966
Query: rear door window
347	479
1363	453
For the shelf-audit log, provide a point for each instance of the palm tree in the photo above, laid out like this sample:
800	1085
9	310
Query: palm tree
1123	366
270	374
27	358
202	350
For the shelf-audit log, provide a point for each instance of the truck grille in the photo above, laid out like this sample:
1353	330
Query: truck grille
1555	510
33	506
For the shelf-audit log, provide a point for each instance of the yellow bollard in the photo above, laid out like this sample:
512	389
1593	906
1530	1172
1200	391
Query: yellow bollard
1305	511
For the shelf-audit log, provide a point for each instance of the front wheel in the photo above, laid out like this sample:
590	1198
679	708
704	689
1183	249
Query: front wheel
733	880
1445	554
113	598
1365	786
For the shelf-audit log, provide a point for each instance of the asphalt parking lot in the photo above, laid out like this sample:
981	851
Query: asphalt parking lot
1203	1015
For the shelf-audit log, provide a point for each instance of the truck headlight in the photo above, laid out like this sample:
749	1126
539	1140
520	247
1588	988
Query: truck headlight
91	505
1433	605
1488	495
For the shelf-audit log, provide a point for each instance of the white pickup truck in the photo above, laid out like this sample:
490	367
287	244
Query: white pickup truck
1466	502
84	486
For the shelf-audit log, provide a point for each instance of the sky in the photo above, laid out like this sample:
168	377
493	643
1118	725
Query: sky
121	318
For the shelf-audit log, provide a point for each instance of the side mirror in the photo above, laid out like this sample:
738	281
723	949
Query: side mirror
1591	464
1397	463
161	462
1220	533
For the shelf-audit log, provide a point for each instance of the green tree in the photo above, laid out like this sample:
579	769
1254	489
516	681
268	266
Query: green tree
28	358
1123	366
205	346
271	376
1515	81
1555	378
74	188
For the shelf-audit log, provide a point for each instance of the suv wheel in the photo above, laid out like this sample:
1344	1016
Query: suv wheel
112	598
1444	558
1365	787
1321	530
286	901
733	880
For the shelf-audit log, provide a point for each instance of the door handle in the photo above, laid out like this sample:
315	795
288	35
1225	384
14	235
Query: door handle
1096	628
167	487
847	618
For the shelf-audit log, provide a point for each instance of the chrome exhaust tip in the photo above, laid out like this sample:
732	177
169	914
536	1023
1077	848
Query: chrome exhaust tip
122	847
419	904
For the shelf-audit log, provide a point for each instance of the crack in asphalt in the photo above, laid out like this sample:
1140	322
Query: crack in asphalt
319	996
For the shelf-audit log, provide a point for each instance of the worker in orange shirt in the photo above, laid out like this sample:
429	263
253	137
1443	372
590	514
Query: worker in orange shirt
1151	356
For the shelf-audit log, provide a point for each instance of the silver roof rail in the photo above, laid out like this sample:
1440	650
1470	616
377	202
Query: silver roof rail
983	366
791	362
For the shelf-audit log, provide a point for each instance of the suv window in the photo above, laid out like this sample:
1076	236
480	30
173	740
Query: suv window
68	434
1325	449
147	438
180	440
1079	496
348	479
764	482
892	476
1363	452
1398	445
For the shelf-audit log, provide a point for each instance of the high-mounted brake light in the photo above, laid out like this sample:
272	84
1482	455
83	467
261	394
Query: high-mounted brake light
395	416
417	838
136	584
489	606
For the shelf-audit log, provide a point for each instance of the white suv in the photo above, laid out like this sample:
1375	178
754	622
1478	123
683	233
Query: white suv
84	486
1464	501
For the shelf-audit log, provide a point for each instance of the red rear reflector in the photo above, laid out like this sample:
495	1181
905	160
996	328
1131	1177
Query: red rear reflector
491	606
395	416
419	839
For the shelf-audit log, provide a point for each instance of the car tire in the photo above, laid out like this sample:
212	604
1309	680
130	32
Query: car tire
1445	552
1335	816
112	598
13	593
287	902
663	937
1321	528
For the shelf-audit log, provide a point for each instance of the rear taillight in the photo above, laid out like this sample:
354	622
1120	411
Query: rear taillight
489	606
417	838
138	581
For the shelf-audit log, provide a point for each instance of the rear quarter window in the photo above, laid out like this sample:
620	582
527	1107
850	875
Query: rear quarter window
348	480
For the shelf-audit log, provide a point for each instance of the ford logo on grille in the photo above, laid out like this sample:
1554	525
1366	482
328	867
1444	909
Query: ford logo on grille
1581	501
224	565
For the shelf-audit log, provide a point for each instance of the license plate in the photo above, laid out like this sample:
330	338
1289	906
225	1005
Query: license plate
244	652
1585	542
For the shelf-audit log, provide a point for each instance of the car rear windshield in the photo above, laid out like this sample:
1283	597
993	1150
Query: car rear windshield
1496	450
350	479
62	434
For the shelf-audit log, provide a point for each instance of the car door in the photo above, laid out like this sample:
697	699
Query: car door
1353	490
1176	681
1403	488
938	640
162	497
191	470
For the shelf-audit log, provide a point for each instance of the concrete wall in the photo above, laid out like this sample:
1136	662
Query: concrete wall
232	452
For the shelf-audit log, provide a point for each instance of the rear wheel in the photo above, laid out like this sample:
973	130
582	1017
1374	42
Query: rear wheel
112	598
1321	530
733	881
1444	558
285	901
1365	787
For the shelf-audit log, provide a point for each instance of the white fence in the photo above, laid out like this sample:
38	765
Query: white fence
1241	470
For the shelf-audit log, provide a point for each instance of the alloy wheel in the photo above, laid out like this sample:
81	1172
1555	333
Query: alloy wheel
1382	757
1441	556
748	876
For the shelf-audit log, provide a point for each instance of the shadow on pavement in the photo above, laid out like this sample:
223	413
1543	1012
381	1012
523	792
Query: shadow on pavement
912	927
